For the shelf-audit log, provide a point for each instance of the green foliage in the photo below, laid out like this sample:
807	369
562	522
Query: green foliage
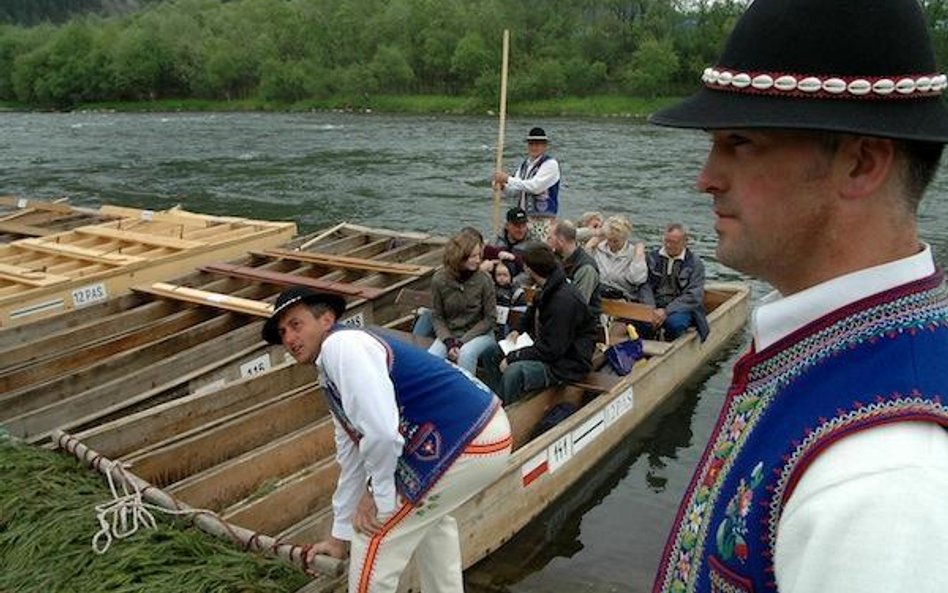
47	524
653	66
391	69
290	51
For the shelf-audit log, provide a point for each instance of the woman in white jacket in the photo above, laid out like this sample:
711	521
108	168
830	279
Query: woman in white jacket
622	267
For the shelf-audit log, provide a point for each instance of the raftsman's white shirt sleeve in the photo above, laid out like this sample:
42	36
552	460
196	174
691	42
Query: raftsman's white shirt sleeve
869	515
357	365
548	174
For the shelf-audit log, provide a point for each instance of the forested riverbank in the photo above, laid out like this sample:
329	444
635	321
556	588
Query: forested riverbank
277	54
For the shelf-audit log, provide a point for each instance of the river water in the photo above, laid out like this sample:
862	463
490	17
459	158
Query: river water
430	173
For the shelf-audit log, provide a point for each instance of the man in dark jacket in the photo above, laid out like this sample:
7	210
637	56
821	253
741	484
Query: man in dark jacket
676	280
563	329
579	266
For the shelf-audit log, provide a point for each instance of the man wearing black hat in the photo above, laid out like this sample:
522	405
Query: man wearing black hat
510	243
410	429
536	184
828	467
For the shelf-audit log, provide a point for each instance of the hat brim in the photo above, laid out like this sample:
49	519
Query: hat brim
924	120
537	139
271	330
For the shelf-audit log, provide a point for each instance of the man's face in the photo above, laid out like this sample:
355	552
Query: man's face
675	241
535	148
772	195
517	231
302	333
554	242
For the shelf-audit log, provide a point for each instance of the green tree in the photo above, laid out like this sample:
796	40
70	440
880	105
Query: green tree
653	67
284	81
391	69
62	71
470	59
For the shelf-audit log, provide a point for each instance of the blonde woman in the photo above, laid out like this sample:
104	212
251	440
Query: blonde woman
464	305
623	271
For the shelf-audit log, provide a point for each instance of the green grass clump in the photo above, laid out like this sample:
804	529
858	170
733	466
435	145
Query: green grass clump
47	523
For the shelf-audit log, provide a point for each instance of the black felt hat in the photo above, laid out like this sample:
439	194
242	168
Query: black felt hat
537	135
836	65
292	296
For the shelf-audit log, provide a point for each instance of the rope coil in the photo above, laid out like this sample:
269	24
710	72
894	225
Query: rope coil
125	513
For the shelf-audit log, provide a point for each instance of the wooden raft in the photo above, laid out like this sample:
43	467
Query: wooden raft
44	275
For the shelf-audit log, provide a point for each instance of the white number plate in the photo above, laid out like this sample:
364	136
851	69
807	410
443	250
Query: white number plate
256	366
89	295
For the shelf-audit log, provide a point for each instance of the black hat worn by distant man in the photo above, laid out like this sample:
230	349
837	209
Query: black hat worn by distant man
292	296
537	135
848	66
517	215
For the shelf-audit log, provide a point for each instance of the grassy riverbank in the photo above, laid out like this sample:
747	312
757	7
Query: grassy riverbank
46	528
593	106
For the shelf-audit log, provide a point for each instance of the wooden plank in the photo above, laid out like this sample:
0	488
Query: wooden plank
140	238
29	277
81	335
66	250
293	499
27	230
206	298
310	242
226	483
314	528
23	203
135	432
210	444
198	376
414	298
45	406
71	361
353	263
597	381
627	310
282	279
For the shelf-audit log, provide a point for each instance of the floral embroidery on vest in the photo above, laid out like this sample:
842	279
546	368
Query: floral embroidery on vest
730	537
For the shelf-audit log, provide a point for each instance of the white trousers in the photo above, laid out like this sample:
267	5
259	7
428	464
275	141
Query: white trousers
376	563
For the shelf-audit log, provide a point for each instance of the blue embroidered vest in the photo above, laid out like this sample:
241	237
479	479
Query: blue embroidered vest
543	204
441	409
876	361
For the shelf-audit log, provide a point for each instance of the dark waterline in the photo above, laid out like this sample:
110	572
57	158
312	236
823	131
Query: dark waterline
430	173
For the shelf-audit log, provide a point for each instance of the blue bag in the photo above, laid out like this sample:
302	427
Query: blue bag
622	356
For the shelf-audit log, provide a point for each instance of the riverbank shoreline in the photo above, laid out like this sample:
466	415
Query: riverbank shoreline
590	106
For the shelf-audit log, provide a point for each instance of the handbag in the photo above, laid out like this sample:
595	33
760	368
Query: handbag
622	356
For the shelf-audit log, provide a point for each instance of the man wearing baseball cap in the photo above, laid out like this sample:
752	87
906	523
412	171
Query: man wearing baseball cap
828	467
536	184
415	438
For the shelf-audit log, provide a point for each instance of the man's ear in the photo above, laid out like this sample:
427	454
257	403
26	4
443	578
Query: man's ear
867	163
327	319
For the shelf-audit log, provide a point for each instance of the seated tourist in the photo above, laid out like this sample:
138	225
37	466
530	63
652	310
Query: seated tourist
622	268
676	280
579	266
463	304
588	226
563	330
509	245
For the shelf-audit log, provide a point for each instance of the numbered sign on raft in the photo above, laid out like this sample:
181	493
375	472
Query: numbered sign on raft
89	294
